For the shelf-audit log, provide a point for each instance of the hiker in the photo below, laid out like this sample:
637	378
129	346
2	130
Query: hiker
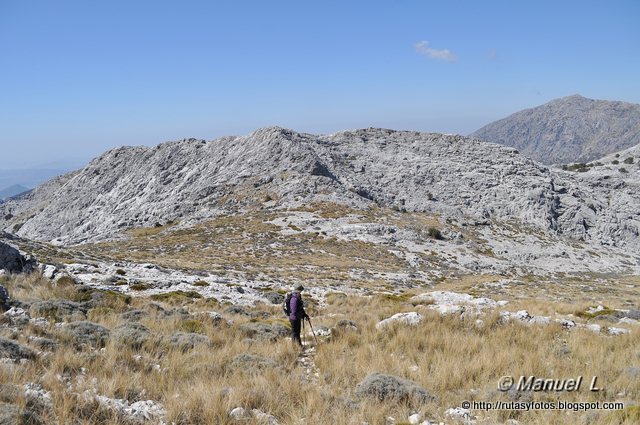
294	308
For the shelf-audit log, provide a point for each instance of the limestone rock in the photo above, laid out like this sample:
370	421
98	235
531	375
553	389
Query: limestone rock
411	319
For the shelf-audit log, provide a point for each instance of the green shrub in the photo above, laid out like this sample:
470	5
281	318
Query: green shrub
434	233
176	296
140	286
200	283
628	160
66	281
120	272
615	162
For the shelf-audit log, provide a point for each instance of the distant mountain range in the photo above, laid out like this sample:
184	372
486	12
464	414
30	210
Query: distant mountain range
568	130
28	177
12	191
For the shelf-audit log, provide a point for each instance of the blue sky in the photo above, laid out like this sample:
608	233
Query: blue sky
80	77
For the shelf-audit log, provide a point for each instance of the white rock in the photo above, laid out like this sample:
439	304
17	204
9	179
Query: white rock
447	309
522	315
35	391
264	418
415	419
618	331
459	414
628	321
593	310
239	414
539	320
411	319
593	328
566	323
49	271
17	313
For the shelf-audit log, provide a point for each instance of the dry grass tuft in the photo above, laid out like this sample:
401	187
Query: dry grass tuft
453	359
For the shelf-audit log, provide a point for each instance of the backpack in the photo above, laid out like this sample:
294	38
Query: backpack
286	305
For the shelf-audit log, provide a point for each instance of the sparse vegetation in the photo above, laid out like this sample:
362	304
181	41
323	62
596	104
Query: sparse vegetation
434	233
120	272
628	160
200	283
140	286
188	364
580	167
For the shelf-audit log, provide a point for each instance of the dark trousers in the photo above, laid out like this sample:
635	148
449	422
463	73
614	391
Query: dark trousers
295	331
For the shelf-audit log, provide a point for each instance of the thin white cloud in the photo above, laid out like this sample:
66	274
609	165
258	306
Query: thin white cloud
423	48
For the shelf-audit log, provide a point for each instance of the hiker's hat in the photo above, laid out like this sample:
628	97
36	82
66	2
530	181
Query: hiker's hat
299	288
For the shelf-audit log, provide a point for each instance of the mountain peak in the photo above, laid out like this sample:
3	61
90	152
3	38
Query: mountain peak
568	129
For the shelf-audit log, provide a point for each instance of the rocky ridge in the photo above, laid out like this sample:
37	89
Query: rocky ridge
192	180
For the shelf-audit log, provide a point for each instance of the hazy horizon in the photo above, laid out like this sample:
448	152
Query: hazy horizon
81	78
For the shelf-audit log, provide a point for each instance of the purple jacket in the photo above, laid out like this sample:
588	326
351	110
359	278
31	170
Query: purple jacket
297	307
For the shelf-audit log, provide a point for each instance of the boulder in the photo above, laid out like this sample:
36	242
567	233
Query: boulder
411	319
389	387
49	271
13	261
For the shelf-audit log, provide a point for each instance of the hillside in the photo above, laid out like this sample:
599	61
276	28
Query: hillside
193	180
569	129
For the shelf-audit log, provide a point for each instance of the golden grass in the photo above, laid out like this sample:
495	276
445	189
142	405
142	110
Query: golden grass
455	360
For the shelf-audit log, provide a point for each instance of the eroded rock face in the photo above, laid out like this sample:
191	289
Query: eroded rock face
193	180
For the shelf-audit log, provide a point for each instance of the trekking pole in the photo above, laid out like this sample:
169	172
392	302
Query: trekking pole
312	331
301	341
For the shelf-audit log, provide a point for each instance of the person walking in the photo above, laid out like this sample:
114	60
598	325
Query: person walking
294	307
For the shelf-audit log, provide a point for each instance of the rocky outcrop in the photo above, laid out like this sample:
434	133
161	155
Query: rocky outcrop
570	129
13	261
453	176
